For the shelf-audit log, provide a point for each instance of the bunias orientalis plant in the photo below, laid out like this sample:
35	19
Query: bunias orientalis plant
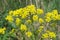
32	23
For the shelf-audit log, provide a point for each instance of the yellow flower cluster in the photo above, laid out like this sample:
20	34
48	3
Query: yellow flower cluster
28	34
35	18
2	30
28	21
49	34
52	16
41	20
9	18
23	13
30	15
40	11
31	9
18	21
28	11
23	27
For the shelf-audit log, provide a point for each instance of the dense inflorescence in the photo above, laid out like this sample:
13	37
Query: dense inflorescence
33	21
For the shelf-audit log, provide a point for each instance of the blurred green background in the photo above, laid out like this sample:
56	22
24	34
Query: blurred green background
48	5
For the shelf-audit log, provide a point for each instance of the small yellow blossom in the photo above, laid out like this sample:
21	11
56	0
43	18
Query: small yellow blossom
55	12
9	18
23	27
41	20
20	11
31	9
49	14
48	19
11	13
56	17
49	34
35	18
25	14
29	34
2	30
18	21
59	17
52	34
39	11
28	21
15	13
45	35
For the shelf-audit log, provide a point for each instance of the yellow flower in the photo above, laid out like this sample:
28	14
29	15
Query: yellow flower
31	9
29	34
2	30
20	11
52	34
11	13
49	34
28	21
9	18
52	16
35	18
18	21
23	27
56	17
45	35
55	12
48	19
15	13
41	20
49	14
39	11
25	14
59	17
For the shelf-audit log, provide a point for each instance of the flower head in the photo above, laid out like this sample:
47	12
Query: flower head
35	17
9	18
41	20
39	11
29	34
49	34
2	30
18	21
23	27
